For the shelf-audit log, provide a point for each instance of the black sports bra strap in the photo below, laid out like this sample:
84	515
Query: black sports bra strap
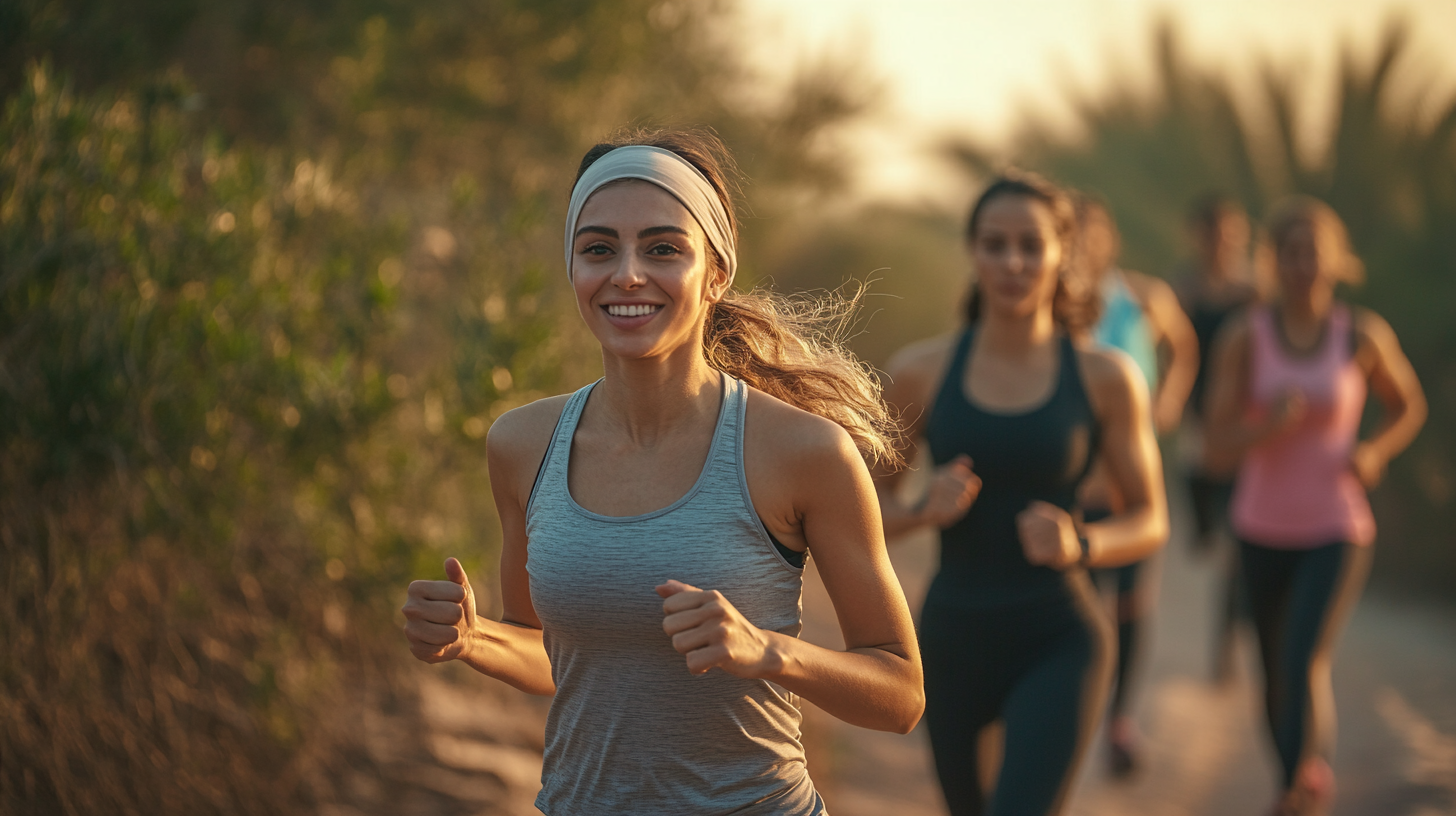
962	353
955	373
1069	377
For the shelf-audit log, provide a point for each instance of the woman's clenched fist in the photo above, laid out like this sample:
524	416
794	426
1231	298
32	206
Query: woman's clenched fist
712	633
440	616
1048	536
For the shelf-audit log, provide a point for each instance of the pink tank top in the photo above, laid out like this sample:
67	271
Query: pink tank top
1297	489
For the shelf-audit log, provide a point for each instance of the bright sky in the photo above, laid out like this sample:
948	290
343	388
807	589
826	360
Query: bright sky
970	66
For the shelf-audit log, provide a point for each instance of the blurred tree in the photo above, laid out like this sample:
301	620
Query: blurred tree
267	273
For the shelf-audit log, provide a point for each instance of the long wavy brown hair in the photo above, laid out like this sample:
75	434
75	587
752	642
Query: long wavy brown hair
791	347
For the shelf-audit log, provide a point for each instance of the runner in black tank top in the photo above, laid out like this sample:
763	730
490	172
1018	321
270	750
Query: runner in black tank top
1002	638
1013	414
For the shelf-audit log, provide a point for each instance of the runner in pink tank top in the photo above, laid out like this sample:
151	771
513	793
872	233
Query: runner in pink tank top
1288	387
1296	490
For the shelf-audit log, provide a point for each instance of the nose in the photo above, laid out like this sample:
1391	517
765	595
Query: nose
1015	261
629	273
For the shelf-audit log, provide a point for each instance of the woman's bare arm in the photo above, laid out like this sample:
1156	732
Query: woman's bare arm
1133	464
442	623
1173	329
876	681
1393	381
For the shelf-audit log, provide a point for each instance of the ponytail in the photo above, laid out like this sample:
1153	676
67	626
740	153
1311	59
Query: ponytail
792	348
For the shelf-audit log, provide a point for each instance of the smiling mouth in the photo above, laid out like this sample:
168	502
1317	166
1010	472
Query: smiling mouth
632	310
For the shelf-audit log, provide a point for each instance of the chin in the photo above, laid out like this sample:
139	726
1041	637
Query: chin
632	348
1014	307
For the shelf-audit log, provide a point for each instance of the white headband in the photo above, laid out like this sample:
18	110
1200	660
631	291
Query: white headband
672	173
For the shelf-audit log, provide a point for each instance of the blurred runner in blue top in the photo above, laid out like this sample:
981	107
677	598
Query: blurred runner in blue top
1141	317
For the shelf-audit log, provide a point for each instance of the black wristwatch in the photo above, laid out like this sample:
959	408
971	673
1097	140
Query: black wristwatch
1086	550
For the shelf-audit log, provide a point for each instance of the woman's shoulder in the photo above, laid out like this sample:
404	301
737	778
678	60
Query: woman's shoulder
1369	325
1114	383
928	355
1374	337
524	433
1106	367
918	368
794	436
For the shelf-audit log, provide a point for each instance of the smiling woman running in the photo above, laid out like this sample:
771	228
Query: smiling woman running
726	440
1014	413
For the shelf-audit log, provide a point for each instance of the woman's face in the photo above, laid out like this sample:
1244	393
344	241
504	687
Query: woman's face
1018	255
642	271
1308	259
1226	239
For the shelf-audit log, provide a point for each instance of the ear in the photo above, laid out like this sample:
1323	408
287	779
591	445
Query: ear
718	283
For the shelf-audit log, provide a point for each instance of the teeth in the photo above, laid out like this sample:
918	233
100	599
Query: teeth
636	310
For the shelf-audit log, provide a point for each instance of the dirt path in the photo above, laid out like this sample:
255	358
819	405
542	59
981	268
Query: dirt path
1206	754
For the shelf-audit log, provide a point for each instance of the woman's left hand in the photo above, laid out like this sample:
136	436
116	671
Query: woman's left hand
711	632
1048	537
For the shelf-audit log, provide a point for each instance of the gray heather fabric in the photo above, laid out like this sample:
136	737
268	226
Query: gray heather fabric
630	730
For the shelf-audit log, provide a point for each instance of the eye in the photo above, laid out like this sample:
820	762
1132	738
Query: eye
1031	246
993	243
595	248
664	248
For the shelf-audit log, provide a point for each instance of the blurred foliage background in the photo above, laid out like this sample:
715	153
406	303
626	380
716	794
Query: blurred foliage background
269	270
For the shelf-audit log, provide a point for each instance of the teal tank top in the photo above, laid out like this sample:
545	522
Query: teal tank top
1124	326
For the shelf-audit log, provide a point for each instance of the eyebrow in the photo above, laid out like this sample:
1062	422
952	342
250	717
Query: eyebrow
650	231
611	233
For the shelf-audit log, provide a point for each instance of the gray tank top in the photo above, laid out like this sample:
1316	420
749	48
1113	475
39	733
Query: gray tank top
630	730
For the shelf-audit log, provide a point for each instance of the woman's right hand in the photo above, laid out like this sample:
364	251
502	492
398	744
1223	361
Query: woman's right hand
440	616
953	489
1288	410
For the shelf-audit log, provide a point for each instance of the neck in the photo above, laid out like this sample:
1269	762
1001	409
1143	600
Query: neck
649	398
1015	335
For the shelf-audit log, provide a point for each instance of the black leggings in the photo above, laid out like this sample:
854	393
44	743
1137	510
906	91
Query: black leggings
1210	499
1300	600
1042	668
1131	611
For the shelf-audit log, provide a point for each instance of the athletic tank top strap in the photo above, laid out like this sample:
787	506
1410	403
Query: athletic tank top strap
1069	375
1341	346
952	385
551	476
